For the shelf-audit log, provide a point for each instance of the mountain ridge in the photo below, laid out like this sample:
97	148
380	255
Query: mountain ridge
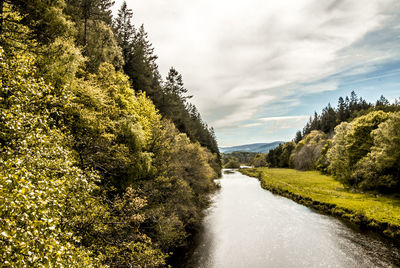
252	147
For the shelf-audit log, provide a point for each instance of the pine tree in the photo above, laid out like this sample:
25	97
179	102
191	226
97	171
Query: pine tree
341	111
124	29
141	66
298	137
174	85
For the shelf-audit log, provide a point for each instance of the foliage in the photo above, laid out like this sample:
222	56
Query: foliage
245	158
44	197
14	35
259	161
121	243
348	108
83	12
184	176
338	162
352	142
380	168
280	156
307	152
101	46
359	139
232	163
45	19
91	174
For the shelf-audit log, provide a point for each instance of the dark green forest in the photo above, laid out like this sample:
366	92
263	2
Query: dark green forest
244	158
235	159
357	142
103	161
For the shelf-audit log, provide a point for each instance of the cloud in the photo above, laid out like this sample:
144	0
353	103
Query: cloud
284	118
277	123
252	125
246	59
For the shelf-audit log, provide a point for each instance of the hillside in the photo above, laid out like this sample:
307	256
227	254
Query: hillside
254	147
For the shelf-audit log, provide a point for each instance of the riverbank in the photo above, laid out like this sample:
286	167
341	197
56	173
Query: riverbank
327	195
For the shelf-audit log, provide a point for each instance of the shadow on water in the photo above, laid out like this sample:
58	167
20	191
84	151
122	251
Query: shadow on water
183	256
229	171
248	226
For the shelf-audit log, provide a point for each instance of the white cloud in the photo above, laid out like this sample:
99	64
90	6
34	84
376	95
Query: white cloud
284	118
275	124
252	125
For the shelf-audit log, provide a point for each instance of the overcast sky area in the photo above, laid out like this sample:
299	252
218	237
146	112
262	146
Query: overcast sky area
259	68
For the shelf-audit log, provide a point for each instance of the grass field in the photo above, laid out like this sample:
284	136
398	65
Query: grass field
326	194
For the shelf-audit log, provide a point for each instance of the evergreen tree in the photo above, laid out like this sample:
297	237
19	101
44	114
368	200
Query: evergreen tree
298	137
124	29
341	111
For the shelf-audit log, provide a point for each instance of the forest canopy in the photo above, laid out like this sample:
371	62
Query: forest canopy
103	163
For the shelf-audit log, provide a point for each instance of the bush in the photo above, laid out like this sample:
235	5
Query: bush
351	143
307	152
232	164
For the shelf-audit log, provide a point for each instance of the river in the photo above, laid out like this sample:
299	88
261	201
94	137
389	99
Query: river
248	226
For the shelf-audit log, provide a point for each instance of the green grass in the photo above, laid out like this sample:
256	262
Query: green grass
378	211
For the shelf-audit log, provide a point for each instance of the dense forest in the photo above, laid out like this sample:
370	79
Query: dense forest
357	142
103	162
236	159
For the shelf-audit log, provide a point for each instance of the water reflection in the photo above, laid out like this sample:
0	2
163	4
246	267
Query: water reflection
250	227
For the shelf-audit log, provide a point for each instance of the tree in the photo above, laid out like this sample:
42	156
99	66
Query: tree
124	30
341	111
381	103
298	137
183	178
86	10
380	168
328	119
45	19
140	66
173	102
338	160
90	173
307	152
359	140
284	158
259	161
44	197
174	85
352	142
101	47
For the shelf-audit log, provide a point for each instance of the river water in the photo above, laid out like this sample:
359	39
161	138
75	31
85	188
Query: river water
248	226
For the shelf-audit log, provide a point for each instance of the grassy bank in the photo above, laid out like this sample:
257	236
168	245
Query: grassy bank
328	195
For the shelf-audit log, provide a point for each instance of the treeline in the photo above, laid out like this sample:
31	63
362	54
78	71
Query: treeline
235	159
102	162
356	142
347	109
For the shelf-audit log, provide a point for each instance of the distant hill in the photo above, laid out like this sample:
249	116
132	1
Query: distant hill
255	147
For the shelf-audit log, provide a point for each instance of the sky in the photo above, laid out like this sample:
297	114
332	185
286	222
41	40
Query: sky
259	68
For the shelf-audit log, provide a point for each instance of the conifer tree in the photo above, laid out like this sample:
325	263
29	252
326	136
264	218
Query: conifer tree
124	29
